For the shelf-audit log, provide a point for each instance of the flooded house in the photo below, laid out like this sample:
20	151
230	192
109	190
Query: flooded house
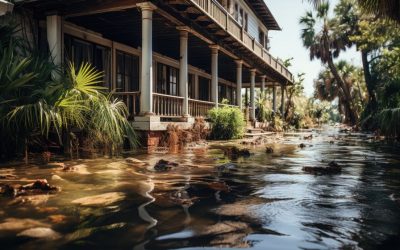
170	61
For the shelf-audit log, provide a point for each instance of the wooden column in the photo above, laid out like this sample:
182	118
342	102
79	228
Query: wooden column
283	101
146	84
274	98
239	73
252	94
183	70
214	74
54	39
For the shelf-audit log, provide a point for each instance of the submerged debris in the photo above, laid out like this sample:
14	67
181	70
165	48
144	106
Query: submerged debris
269	150
309	137
219	186
332	168
35	188
226	166
235	152
163	165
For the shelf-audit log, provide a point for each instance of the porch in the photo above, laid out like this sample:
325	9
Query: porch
164	68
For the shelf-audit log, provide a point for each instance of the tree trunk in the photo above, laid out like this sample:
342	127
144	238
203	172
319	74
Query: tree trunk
348	101
368	78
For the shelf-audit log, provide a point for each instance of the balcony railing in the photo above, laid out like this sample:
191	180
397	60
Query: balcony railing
199	108
167	105
131	100
220	15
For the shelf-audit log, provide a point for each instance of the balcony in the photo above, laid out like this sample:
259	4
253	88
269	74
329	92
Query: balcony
220	16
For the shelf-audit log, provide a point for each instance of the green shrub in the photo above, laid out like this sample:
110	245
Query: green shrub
226	123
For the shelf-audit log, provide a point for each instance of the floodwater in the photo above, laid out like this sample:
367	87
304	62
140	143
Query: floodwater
264	201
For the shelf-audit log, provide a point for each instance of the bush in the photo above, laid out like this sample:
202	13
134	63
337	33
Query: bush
226	123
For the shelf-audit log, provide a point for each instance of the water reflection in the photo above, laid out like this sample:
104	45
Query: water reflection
265	201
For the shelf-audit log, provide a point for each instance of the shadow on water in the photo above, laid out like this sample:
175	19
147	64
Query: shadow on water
264	201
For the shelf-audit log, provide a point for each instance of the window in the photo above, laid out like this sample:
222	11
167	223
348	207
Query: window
266	46
204	89
261	37
229	94
127	73
236	13
240	16
222	92
246	22
191	86
79	51
167	80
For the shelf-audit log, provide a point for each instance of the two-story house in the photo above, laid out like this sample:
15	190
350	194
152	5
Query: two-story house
169	60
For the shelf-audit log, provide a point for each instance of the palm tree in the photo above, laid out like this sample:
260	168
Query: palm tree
34	106
327	89
382	8
326	45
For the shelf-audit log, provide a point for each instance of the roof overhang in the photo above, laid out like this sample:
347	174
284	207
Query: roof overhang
263	12
5	7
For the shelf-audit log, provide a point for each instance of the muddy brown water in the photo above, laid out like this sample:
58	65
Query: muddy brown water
265	201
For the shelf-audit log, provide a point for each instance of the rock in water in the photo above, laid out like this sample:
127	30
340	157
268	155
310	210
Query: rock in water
226	166
269	150
100	200
163	165
332	168
36	188
235	152
79	169
41	233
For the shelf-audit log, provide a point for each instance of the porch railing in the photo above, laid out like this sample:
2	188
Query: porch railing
167	105
131	100
221	16
199	108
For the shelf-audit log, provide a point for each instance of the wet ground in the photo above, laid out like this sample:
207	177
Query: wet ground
265	201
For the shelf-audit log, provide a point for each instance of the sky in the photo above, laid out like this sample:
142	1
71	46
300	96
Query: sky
287	43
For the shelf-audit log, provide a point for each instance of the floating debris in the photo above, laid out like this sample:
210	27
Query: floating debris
332	168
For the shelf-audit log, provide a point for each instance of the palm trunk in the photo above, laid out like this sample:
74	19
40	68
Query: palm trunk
348	101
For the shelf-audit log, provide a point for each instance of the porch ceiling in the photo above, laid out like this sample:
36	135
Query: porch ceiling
125	27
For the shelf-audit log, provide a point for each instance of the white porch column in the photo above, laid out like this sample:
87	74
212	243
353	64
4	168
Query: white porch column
274	98
183	70
54	38
146	84
239	73
263	84
283	101
252	94
214	74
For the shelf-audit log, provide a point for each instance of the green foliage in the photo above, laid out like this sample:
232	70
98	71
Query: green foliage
226	123
35	106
